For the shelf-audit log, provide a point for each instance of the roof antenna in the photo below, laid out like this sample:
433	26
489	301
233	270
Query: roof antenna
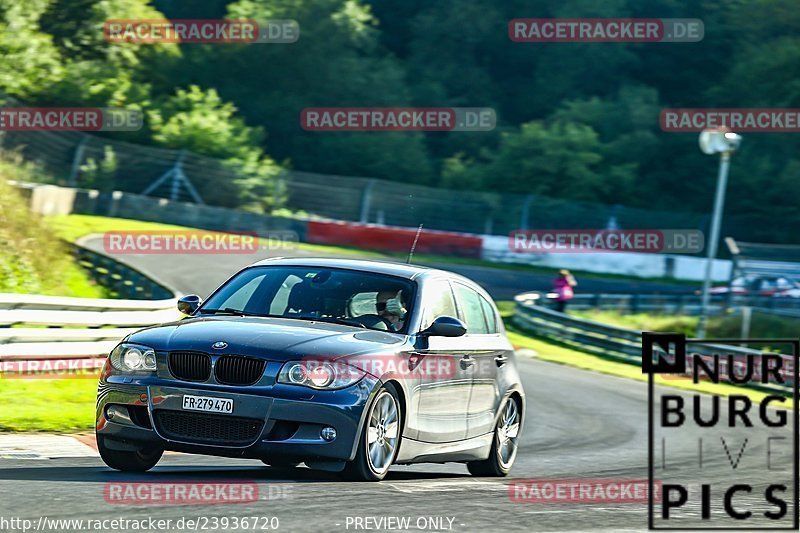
414	245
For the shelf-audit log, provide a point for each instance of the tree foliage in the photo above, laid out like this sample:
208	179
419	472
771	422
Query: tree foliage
575	120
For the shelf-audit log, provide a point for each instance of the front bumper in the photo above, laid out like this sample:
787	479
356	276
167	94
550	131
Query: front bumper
282	421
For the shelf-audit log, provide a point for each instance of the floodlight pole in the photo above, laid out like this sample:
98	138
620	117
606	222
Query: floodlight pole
716	222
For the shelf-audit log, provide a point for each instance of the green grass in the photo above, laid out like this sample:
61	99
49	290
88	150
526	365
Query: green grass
55	405
33	260
73	227
641	321
762	325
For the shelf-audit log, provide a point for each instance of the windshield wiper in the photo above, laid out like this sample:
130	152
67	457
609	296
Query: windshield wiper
330	319
239	312
229	311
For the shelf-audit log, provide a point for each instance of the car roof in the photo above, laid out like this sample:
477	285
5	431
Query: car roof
389	268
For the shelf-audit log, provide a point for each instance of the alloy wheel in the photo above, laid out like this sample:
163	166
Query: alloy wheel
382	432
507	434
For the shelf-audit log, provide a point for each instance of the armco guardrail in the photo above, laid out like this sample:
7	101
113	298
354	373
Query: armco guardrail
77	328
81	328
610	341
120	279
686	304
673	304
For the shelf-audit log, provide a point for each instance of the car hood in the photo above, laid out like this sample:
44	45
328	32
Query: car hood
273	339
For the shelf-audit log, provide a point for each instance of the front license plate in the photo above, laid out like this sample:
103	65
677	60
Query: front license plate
211	405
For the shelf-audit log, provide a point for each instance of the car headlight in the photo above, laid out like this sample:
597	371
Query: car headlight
319	375
133	358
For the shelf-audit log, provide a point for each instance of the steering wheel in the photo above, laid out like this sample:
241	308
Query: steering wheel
374	321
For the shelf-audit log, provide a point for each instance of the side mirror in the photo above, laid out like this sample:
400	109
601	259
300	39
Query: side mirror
188	304
445	326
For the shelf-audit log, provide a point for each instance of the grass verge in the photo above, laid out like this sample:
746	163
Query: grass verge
33	260
47	405
762	325
73	227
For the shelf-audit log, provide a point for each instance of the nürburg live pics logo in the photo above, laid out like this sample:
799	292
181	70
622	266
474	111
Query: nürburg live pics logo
726	458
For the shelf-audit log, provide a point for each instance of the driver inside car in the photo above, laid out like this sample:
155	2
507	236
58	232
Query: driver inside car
389	305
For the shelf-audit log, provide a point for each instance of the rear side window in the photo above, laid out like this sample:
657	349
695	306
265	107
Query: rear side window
439	302
491	318
470	303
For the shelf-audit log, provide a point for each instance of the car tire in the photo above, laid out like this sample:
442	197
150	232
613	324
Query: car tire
384	426
128	461
279	463
505	443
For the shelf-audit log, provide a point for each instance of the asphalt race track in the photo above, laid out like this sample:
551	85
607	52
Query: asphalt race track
200	274
579	425
600	433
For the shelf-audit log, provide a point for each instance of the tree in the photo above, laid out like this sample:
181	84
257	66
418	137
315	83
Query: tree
201	122
96	71
29	62
560	159
337	62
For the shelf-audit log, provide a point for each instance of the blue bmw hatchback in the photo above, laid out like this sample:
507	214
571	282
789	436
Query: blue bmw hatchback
345	365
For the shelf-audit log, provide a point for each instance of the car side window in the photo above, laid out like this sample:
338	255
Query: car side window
439	302
470	303
491	317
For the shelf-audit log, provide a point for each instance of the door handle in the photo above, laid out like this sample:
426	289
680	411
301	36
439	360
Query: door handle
414	360
500	360
467	362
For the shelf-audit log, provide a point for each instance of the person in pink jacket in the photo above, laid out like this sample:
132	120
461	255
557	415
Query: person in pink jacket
563	287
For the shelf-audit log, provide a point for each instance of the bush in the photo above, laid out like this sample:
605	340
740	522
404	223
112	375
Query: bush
32	259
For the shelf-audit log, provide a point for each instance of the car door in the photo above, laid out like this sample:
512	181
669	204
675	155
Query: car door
441	385
486	356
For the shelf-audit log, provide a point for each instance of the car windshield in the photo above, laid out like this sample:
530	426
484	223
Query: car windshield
349	297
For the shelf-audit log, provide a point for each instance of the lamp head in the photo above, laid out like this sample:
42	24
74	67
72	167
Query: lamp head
719	141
